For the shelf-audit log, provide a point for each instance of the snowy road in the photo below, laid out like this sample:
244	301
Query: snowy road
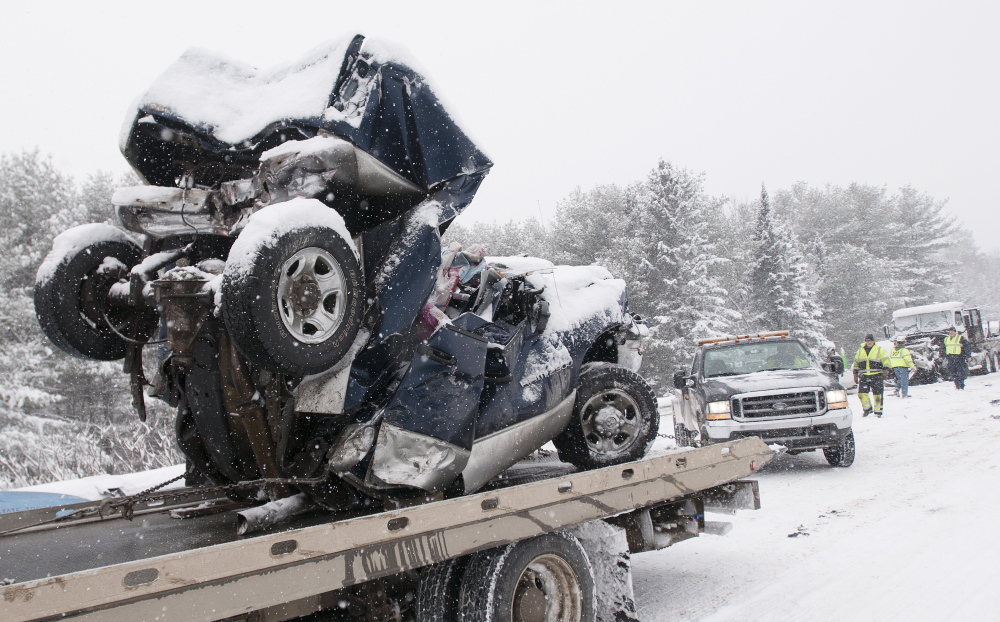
906	533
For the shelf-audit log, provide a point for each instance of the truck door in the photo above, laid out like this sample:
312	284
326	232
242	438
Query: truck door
973	325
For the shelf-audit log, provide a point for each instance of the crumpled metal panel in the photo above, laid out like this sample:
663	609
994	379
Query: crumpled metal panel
405	458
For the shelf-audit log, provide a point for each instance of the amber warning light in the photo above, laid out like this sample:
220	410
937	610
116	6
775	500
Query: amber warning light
738	338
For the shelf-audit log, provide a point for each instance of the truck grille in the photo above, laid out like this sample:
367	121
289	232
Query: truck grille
778	404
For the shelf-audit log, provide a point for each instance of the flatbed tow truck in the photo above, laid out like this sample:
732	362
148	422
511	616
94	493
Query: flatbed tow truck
73	563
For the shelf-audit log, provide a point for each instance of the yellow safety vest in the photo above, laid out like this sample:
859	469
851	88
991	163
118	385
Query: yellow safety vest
871	363
900	357
953	345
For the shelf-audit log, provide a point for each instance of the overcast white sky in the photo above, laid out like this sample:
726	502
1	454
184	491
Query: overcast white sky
566	94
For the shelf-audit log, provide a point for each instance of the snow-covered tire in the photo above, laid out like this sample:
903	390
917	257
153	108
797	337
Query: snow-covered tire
842	454
439	591
291	301
545	578
615	418
71	289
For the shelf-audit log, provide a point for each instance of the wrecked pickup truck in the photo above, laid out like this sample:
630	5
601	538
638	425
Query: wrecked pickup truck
764	385
286	254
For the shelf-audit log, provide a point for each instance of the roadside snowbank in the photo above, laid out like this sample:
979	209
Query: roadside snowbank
99	487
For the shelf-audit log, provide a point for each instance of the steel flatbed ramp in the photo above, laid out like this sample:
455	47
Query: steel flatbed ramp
219	575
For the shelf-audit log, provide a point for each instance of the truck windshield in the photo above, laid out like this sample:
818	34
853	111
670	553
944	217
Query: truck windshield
922	323
753	357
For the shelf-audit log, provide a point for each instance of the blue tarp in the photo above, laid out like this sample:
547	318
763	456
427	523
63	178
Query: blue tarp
19	501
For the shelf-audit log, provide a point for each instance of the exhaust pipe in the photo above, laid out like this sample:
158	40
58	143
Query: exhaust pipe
253	520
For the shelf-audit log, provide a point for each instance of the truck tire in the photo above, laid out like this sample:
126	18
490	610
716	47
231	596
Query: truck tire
547	578
842	454
615	419
439	591
71	293
293	302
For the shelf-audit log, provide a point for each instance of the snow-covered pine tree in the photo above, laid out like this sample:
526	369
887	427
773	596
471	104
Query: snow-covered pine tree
914	246
60	417
674	258
780	279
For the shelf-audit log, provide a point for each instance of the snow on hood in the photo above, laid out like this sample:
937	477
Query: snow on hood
576	294
235	100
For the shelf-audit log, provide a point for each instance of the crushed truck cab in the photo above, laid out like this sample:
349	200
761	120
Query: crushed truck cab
764	385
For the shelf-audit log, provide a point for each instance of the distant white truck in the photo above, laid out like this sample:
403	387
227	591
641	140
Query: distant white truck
924	328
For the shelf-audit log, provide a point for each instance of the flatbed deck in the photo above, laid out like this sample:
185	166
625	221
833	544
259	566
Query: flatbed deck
157	567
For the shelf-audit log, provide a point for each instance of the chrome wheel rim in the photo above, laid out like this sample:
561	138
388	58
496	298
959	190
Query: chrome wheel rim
548	590
310	296
611	421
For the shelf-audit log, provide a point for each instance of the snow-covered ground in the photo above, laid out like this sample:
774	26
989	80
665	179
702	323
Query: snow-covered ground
907	533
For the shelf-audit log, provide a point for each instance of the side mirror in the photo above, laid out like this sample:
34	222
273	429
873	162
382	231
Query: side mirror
885	330
678	380
835	365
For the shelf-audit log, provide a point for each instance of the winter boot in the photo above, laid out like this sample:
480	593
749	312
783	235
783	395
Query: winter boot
866	412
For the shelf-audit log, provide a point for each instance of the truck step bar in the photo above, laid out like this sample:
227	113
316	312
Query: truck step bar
159	568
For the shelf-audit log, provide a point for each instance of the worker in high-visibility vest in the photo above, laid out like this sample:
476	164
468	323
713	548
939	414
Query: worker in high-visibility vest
871	367
956	352
901	364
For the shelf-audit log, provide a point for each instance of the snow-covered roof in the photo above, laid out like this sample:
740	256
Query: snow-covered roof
939	306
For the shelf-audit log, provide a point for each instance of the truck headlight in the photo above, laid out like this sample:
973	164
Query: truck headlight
718	410
836	399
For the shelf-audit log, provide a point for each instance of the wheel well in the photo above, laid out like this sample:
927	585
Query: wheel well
604	349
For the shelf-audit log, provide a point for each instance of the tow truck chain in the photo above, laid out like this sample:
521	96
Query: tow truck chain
125	506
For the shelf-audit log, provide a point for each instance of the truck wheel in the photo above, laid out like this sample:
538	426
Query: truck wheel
544	579
841	455
615	419
292	301
439	591
71	293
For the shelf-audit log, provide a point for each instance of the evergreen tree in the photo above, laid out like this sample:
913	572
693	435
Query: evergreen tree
780	281
674	261
60	417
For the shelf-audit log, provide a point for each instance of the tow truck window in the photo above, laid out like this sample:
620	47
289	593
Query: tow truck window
936	321
749	358
905	325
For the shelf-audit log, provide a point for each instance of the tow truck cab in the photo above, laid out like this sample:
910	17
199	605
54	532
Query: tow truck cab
764	385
